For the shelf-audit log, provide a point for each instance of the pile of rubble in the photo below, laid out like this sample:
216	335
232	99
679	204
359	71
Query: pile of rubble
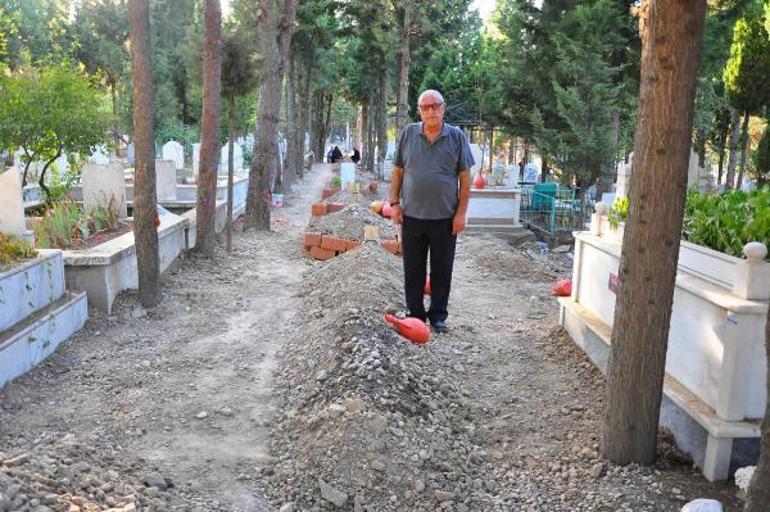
67	475
370	421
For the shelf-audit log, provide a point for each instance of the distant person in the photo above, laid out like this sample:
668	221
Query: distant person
429	194
356	156
330	156
336	155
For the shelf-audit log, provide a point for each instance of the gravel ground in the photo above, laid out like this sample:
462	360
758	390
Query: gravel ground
267	381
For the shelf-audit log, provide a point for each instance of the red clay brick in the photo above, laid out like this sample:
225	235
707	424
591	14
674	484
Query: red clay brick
321	254
334	207
373	188
332	243
318	209
312	239
353	244
392	246
327	193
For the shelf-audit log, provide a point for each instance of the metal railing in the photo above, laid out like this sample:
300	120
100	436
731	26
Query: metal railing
549	208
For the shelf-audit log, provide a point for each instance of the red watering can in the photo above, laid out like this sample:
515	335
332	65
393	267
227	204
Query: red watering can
479	182
413	329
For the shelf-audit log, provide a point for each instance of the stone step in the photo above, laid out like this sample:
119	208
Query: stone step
30	341
30	286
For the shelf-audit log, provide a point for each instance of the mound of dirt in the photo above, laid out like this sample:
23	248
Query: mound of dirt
349	223
370	421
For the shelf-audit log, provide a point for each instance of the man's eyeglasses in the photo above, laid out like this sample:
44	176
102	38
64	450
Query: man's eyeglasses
430	106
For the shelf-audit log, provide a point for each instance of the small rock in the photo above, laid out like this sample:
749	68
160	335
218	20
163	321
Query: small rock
332	495
419	485
321	376
562	249
287	507
378	424
156	480
201	415
596	471
226	411
354	404
442	496
378	465
336	410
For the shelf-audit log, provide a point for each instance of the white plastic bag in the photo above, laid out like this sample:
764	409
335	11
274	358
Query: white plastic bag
701	505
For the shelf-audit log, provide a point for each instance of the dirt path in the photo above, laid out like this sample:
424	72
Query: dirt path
184	389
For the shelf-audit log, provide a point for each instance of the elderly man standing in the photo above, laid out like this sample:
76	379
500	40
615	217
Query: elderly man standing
429	192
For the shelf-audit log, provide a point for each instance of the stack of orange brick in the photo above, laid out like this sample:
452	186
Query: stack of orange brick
324	247
392	246
320	209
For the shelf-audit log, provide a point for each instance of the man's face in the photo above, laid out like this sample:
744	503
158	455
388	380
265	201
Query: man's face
431	109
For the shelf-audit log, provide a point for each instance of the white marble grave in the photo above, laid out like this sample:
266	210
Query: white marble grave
11	204
347	174
101	183
477	156
172	150
237	158
165	179
99	156
196	158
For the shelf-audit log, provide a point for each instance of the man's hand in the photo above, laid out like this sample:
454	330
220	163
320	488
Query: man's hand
396	214
458	223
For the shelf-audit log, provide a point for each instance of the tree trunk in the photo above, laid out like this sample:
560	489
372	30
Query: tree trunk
364	130
759	488
264	156
292	162
732	159
319	135
607	172
205	230
382	125
491	147
744	149
230	173
370	140
721	148
402	107
671	40
115	129
145	209
304	115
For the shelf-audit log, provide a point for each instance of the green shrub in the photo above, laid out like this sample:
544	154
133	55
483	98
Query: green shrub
61	225
13	249
728	221
618	212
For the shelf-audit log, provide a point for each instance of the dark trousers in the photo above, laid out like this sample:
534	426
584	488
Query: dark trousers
418	238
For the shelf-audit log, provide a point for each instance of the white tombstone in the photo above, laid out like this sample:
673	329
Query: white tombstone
99	156
11	204
131	154
172	150
237	158
347	174
624	176
196	158
62	164
165	179
531	173
101	183
477	155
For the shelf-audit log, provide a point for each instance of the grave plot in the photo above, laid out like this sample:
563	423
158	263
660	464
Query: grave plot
369	419
330	235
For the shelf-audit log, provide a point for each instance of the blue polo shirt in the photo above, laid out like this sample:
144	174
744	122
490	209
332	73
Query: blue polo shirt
430	186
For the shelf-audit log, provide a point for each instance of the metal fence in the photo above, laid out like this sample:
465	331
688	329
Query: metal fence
549	208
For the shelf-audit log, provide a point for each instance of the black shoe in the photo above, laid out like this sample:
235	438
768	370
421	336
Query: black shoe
439	326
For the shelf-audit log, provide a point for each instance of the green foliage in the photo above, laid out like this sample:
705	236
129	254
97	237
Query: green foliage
63	224
61	182
60	226
61	111
747	73
12	250
618	212
336	182
728	221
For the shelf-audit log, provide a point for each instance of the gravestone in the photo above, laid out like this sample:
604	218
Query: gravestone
101	183
624	177
165	179
196	158
347	174
62	164
172	150
477	155
99	157
531	173
131	154
237	158
11	204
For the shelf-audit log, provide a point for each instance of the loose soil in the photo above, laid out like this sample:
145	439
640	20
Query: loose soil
268	381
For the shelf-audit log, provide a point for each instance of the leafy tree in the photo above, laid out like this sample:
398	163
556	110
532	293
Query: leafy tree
61	113
747	73
38	31
762	156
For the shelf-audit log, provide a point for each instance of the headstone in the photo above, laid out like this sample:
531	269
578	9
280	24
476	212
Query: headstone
62	164
347	174
101	183
237	158
165	179
172	150
196	158
624	176
477	154
131	154
99	156
531	173
11	204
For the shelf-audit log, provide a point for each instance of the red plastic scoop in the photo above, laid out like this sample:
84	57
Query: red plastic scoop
413	329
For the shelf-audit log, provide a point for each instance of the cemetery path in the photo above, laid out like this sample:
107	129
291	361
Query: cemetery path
185	389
